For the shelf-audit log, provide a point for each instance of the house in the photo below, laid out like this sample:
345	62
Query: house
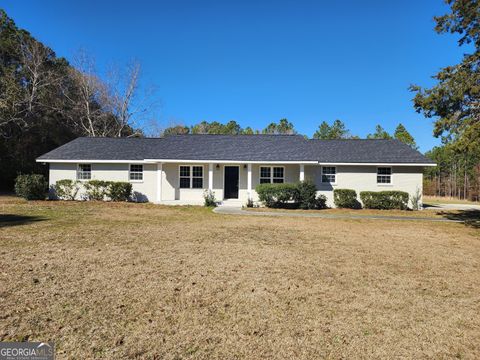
178	169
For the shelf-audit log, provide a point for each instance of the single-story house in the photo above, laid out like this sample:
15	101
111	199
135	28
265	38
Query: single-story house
178	169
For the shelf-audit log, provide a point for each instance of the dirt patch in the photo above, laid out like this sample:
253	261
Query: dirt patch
144	281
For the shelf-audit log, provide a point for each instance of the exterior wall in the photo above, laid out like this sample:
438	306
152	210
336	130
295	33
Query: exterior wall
364	178
143	190
171	190
359	178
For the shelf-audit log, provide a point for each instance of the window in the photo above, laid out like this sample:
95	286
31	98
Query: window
84	172
272	174
384	175
329	174
136	172
191	177
197	177
265	175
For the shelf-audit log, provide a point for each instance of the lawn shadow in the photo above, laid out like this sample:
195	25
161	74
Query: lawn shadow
15	220
427	205
468	217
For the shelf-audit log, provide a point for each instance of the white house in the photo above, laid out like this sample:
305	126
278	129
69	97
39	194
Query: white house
177	169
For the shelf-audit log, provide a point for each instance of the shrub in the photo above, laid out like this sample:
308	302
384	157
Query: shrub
416	200
306	195
321	202
66	189
385	200
31	187
119	190
278	195
96	189
345	198
250	203
301	195
209	198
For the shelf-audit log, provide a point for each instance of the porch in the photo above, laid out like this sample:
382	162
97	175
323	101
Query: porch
181	183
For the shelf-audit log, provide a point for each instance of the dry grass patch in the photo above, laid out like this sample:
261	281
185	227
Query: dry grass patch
144	281
435	214
447	200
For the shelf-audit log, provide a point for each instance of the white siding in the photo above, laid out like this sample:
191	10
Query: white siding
364	178
359	178
143	190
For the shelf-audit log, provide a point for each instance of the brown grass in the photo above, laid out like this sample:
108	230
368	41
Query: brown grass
144	281
432	200
436	214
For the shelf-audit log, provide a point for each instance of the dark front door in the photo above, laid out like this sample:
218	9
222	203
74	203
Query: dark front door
231	182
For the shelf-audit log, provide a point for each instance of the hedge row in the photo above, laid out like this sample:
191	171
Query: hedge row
94	190
385	200
301	195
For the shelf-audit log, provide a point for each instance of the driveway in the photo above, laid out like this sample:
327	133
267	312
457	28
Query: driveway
427	206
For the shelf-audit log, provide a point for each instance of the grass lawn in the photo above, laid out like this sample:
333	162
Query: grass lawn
366	212
116	281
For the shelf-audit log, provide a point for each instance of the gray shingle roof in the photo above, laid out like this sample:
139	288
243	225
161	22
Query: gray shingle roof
237	148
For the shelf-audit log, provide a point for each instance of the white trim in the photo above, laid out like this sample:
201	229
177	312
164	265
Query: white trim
249	180
321	175
159	181
375	164
95	161
210	176
228	161
271	173
192	177
238	195
150	161
301	176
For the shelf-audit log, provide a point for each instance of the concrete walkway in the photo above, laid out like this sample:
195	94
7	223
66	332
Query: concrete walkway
451	206
230	210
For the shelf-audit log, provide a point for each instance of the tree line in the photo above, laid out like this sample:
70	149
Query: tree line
45	101
454	104
325	131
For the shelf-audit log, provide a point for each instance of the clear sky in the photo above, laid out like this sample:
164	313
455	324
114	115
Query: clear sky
259	61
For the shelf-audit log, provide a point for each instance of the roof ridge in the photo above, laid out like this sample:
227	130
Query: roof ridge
236	135
364	139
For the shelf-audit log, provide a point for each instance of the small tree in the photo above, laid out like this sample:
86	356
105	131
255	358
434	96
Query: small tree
31	187
416	200
379	133
404	136
337	130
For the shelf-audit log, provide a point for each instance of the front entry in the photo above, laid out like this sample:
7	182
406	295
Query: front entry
231	182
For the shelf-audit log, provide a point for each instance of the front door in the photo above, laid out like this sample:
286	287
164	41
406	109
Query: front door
231	182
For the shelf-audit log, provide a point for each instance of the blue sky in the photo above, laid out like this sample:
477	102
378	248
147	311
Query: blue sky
259	61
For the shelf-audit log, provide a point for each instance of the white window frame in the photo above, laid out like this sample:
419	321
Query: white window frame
130	172
191	177
81	178
328	174
271	174
391	176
